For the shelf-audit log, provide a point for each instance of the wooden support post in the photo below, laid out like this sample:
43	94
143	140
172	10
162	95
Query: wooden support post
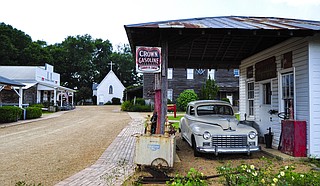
157	101
161	88
164	83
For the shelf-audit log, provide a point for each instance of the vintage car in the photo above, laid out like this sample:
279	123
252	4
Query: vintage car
209	126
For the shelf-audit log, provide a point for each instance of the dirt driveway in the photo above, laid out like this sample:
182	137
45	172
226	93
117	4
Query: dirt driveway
48	151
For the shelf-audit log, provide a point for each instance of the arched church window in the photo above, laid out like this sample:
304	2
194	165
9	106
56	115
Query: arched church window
110	89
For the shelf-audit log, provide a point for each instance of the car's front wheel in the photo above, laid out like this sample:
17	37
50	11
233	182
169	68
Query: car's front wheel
196	153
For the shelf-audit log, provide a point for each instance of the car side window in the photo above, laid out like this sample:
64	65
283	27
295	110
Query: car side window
191	110
225	110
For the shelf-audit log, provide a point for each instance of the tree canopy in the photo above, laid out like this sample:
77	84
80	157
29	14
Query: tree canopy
80	60
209	90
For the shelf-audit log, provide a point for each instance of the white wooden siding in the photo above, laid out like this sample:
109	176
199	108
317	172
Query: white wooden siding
314	116
103	88
299	48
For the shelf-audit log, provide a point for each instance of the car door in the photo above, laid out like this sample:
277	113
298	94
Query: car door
188	121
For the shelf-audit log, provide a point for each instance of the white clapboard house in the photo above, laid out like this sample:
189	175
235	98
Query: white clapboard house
41	85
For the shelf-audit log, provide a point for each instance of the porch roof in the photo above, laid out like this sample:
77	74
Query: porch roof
45	86
217	42
6	81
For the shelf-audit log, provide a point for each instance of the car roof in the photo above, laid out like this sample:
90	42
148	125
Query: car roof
202	102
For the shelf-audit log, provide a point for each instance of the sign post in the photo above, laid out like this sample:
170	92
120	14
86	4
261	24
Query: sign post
148	147
148	60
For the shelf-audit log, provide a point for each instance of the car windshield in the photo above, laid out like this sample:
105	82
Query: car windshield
214	109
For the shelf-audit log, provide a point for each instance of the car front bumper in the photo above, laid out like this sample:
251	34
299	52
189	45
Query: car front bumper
219	150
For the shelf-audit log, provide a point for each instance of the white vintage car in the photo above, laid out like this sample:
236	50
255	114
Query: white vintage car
209	126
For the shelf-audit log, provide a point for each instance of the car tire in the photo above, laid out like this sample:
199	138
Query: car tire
194	146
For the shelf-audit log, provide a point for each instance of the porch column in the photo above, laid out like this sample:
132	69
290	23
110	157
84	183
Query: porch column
54	96
61	97
72	94
20	96
39	96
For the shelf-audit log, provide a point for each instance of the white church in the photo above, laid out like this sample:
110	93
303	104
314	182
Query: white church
110	87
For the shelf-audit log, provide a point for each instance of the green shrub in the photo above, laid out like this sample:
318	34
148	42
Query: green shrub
140	101
126	106
108	103
184	98
193	178
225	99
10	114
33	112
116	101
246	174
37	105
141	107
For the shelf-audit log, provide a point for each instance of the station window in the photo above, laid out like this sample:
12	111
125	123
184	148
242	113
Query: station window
211	74
250	91
189	73
288	94
110	89
170	73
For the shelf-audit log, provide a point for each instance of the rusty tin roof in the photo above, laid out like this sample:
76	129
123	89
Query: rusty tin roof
217	42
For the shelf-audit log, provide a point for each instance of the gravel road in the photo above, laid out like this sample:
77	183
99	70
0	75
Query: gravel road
50	150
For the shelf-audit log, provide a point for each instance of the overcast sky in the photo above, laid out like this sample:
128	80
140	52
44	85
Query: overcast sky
54	20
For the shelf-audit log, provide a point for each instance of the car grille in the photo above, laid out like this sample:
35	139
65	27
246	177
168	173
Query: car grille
229	141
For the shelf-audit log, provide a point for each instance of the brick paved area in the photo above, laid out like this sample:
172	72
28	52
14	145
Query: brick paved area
116	163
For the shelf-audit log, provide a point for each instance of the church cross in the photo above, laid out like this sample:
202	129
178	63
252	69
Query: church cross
110	64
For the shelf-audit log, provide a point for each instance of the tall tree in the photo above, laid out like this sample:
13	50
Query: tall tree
101	57
80	60
12	44
125	66
209	90
77	61
36	53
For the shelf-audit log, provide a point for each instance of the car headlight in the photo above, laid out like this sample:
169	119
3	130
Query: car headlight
206	135
252	134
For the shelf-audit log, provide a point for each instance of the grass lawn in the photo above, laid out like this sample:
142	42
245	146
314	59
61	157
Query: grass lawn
172	118
175	124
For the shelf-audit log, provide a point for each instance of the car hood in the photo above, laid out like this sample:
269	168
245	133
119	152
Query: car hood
224	121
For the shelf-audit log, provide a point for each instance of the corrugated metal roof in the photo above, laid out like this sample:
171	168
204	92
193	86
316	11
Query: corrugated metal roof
6	81
235	22
18	72
217	42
